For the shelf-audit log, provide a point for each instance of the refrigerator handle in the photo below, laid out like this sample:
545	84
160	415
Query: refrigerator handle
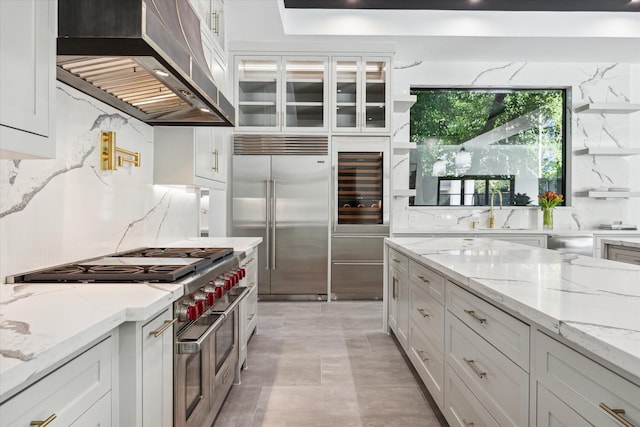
267	202
274	199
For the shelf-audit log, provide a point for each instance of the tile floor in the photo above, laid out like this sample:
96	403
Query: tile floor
325	364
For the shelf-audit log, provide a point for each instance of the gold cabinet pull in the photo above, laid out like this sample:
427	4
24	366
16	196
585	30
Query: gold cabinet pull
395	288
166	325
474	368
45	422
216	154
473	314
421	311
424	279
615	413
421	354
395	260
468	423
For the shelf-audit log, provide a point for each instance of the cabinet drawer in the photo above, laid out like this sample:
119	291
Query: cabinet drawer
398	261
461	407
505	332
428	315
252	310
67	392
430	281
357	248
585	385
622	254
500	385
428	361
553	412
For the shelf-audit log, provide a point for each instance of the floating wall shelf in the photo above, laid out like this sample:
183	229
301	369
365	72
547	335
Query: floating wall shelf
404	192
608	194
403	147
599	151
402	103
605	108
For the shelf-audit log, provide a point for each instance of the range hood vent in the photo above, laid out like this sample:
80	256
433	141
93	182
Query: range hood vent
143	57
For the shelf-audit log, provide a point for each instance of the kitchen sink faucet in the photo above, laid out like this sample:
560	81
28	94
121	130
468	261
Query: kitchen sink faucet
492	218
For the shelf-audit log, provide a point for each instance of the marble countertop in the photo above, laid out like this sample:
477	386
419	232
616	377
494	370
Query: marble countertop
630	242
593	303
41	324
432	231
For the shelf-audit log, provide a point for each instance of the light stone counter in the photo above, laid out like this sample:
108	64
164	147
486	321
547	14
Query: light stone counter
41	324
434	231
593	303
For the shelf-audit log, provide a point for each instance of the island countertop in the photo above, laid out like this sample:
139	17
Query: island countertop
41	324
593	303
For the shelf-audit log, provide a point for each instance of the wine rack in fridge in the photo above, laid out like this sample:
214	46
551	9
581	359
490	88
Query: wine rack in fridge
360	187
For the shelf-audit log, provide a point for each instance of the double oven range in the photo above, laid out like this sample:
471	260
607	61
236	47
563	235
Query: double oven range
206	318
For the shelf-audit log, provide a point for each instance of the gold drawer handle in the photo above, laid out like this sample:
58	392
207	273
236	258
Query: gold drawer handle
615	413
45	422
251	316
468	423
421	354
473	314
421	311
473	367
425	280
167	324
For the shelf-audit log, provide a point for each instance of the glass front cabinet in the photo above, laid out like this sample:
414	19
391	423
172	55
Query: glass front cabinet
360	92
282	93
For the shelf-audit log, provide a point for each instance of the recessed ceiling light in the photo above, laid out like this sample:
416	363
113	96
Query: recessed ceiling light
161	73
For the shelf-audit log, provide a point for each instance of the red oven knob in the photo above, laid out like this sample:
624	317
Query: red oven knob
211	298
219	291
200	307
228	284
192	312
243	273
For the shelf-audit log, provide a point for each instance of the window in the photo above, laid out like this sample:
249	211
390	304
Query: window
471	142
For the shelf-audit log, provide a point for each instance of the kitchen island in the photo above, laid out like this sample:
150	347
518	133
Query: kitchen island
43	326
516	335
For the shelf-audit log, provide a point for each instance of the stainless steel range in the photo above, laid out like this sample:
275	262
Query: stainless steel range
206	318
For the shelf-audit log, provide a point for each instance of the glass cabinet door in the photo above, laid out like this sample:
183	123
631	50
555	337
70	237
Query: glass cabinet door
305	93
359	186
346	94
258	81
375	97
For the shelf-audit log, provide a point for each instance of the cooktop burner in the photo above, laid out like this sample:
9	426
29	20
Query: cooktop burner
139	265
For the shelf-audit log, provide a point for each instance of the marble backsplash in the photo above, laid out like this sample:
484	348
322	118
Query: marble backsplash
65	209
605	83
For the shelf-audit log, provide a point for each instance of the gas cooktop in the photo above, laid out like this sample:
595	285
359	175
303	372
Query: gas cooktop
138	265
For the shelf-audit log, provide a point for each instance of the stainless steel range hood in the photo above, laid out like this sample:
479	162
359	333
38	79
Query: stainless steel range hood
143	57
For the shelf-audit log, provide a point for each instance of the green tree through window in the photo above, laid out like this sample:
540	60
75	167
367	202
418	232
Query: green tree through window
488	132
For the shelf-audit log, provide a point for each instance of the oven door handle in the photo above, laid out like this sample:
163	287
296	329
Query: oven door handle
232	306
194	346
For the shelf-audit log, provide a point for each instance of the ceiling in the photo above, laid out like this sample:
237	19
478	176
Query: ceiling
500	5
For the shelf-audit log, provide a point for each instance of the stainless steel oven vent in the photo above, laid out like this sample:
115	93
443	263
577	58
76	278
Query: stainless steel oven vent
280	144
143	57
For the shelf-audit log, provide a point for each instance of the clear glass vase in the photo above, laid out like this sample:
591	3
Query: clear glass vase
547	218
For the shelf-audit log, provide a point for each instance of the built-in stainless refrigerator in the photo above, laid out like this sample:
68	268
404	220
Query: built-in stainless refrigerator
281	193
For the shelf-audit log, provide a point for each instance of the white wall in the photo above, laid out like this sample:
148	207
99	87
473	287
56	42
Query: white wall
587	82
66	209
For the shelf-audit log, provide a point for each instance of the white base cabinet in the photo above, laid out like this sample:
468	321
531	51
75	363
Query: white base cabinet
76	394
146	372
497	369
28	30
249	306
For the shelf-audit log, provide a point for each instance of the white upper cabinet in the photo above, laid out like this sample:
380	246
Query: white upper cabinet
278	93
360	92
190	156
27	78
211	14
